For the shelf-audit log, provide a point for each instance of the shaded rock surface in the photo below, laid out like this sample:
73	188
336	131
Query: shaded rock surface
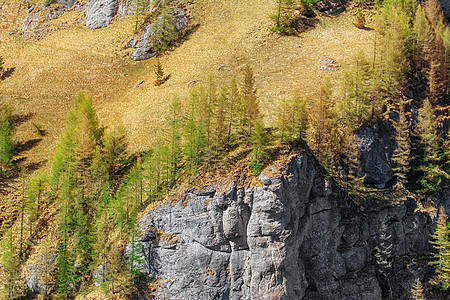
294	237
375	150
159	34
99	13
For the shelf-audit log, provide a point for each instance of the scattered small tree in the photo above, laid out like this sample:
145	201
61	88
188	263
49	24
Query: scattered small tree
360	19
159	72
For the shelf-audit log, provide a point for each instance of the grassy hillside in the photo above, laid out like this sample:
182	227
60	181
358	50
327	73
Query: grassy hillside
50	72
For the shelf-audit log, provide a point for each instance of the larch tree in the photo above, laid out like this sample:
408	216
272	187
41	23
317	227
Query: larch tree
321	134
7	145
260	147
441	244
417	290
427	131
402	153
11	279
250	101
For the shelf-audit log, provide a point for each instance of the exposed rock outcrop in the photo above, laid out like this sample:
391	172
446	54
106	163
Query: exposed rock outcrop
159	34
99	13
375	150
40	273
66	3
294	237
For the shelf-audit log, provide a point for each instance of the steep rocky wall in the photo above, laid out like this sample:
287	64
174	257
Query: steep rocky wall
294	237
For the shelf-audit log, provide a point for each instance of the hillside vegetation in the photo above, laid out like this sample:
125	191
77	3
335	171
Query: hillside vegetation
230	97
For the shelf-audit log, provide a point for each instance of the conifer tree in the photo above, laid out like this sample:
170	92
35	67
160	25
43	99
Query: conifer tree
321	135
6	141
417	290
402	154
195	140
299	117
235	99
284	120
438	74
175	138
260	150
441	244
250	102
2	68
35	196
427	131
159	72
11	280
114	154
284	15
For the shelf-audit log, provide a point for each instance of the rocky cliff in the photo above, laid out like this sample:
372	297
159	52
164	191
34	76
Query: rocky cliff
294	237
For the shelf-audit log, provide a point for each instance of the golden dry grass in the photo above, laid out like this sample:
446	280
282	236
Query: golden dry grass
50	72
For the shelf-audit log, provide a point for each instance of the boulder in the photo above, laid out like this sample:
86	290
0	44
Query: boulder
99	13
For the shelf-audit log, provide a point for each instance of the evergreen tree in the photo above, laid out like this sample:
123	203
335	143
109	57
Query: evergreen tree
11	280
284	16
195	140
441	244
260	150
250	102
35	195
114	155
417	290
159	72
235	99
6	141
426	129
321	134
2	68
402	154
175	138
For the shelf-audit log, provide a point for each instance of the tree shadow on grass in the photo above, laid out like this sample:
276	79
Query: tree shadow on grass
20	119
8	73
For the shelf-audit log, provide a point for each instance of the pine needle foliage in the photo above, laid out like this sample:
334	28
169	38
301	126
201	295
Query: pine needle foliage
402	153
441	244
7	145
417	290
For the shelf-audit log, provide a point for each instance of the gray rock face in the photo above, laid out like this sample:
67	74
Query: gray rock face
66	3
99	13
40	273
375	150
294	237
159	35
446	8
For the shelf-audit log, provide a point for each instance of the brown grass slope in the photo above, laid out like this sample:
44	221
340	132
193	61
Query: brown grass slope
50	72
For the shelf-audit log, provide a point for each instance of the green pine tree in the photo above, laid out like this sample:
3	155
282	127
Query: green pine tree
441	244
260	147
402	154
6	142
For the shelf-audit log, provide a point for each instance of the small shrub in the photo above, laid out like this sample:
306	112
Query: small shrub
48	2
360	19
306	7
